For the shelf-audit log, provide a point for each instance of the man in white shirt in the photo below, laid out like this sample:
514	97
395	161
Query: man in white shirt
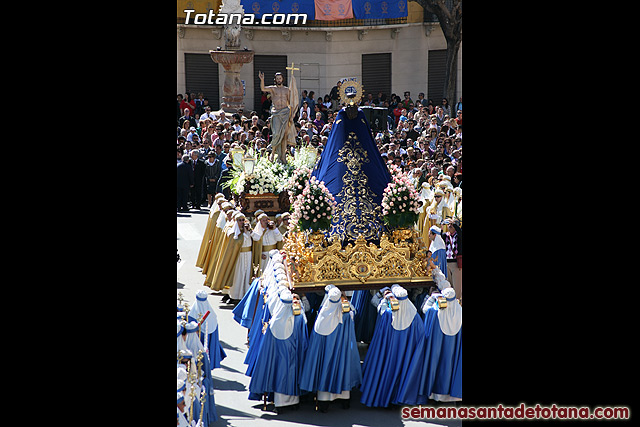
207	114
222	118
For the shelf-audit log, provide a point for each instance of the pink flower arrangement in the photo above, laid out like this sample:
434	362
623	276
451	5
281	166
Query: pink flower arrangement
313	207
297	182
400	207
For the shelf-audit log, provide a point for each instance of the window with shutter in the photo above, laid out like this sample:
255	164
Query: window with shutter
436	76
269	65
376	74
201	75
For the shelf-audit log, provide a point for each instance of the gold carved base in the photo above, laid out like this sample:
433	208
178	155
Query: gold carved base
315	262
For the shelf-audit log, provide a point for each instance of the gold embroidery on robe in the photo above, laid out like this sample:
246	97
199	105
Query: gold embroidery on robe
357	214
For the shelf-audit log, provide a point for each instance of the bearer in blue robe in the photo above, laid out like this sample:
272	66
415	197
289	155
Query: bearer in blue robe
209	414
316	300
441	376
204	384
270	297
332	364
265	285
281	354
438	249
243	312
208	329
398	340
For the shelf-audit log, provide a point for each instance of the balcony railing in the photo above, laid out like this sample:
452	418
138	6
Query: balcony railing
338	23
355	22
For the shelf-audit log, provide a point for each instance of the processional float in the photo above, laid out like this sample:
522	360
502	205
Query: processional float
368	244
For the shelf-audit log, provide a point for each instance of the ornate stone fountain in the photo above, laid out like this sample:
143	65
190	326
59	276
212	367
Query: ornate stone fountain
232	59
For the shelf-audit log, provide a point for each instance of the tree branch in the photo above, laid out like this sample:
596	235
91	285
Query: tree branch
450	20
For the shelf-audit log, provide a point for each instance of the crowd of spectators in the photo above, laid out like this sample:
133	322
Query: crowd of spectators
424	137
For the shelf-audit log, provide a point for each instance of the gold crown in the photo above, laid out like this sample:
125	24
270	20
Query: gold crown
354	86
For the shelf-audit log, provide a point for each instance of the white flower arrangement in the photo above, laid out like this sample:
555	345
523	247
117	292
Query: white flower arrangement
267	177
273	177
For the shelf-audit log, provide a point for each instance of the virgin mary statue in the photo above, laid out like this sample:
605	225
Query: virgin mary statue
355	173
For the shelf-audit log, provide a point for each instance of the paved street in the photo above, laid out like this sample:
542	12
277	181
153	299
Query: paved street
230	382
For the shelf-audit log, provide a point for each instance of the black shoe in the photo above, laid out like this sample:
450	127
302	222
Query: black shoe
270	407
225	298
307	397
323	406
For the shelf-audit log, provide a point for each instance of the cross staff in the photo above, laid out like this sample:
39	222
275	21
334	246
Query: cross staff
292	68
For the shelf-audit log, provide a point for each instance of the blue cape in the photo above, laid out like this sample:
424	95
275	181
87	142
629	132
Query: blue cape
442	368
442	261
332	363
209	408
255	335
243	312
355	173
393	356
216	352
279	362
366	315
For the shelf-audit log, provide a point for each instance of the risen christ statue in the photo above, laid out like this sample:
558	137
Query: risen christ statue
282	112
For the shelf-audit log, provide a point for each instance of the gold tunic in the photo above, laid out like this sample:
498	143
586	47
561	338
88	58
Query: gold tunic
221	245
227	263
429	222
209	263
208	234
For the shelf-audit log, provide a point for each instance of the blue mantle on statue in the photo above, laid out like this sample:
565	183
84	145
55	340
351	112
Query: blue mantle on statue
353	170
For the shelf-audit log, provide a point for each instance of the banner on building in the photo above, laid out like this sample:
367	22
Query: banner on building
373	9
332	10
260	7
200	6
